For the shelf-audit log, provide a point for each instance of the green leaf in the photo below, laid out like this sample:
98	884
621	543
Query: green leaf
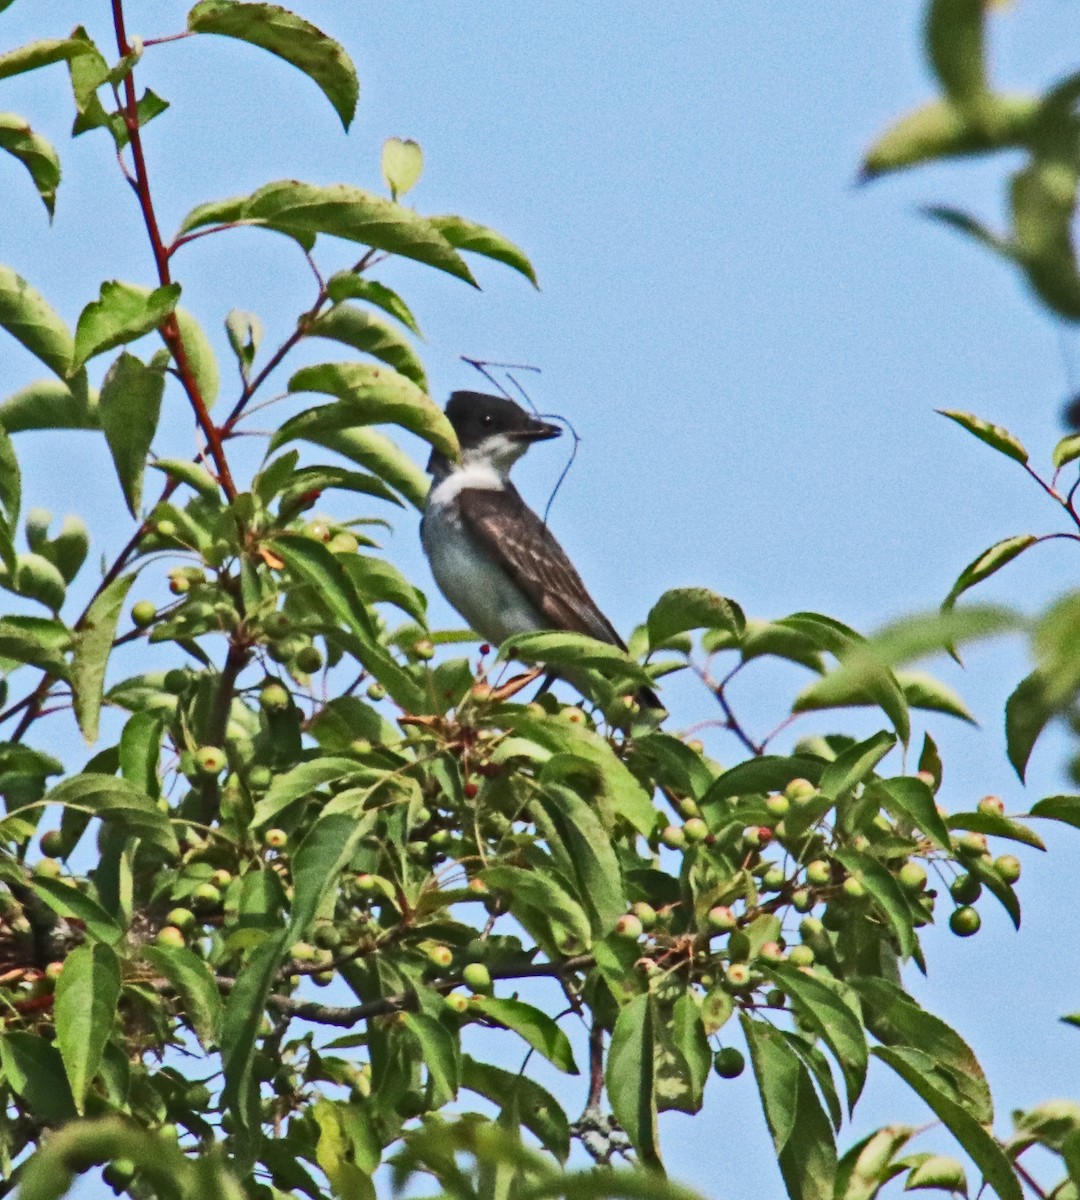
311	562
240	1024
339	210
997	887
531	893
769	773
402	165
49	404
869	1165
191	473
244	331
987	563
38	641
910	799
966	224
896	1019
28	317
1065	809
42	54
195	985
290	37
630	1076
38	579
87	994
123	313
800	1130
683	1058
977	1142
68	901
129	407
993	435
373	395
93	645
35	153
330	426
34	1070
681	609
954	45
938	130
1027	713
882	886
119	801
841	1029
340	1152
356	327
924	692
558	649
854	765
938	1172
478	239
10	497
440	1052
318	862
301	782
1043	202
347	285
534	1026
595	864
200	356
537	1109
995	825
1066	451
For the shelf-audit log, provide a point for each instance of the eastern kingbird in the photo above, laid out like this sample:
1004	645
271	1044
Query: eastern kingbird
491	555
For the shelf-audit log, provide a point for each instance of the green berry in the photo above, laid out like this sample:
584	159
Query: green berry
197	1096
48	868
118	1174
457	1003
275	839
645	913
721	919
778	805
344	543
169	935
1007	867
166	529
52	843
260	777
424	649
798	791
143	613
206	897
221	878
441	956
773	879
818	873
182	918
629	926
971	843
801	956
210	761
323	978
992	806
327	936
912	877
274	698
477	977
176	681
771	952
965	889
729	1063
802	901
964	921
673	837
737	977
308	659
376	692
854	888
695	830
688	808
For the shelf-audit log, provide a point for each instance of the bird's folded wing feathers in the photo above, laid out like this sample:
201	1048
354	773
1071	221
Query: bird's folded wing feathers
515	537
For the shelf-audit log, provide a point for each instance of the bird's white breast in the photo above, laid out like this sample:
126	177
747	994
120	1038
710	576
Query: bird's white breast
473	583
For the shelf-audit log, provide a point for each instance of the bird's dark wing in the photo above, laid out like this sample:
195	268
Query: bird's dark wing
515	537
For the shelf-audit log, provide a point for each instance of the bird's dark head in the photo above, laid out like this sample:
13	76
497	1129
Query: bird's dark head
493	430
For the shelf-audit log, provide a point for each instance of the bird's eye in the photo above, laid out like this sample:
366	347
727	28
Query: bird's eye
486	419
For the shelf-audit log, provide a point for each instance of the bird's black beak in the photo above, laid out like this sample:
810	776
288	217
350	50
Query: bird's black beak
536	431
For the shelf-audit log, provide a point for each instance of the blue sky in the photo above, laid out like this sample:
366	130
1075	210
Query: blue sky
750	346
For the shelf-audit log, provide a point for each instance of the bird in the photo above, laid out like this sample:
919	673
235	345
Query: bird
492	557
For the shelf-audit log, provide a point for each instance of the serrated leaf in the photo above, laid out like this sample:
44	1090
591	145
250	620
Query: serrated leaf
119	801
129	407
36	154
540	894
291	38
68	901
123	312
331	427
87	994
977	1142
340	210
302	781
801	1133
533	1026
31	320
402	165
479	239
356	327
311	562
347	285
93	645
987	563
373	395
840	1028
996	436
318	861
682	609
630	1076
195	985
912	800
886	892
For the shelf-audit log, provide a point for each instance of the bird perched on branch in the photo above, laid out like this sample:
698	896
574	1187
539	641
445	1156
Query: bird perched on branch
492	557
